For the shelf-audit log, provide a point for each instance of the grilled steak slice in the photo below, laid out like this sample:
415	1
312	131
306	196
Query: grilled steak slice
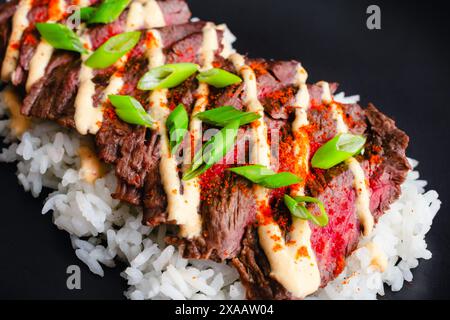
254	270
225	211
6	13
276	89
113	138
178	11
30	40
175	11
386	159
385	165
154	198
174	33
62	78
155	213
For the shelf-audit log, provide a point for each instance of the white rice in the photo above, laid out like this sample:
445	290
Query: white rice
103	230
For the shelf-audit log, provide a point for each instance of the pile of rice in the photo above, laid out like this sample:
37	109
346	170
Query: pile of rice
103	230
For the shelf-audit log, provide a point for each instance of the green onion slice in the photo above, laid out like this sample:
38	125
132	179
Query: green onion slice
130	110
108	11
265	177
213	151
113	49
218	78
87	13
84	14
60	36
223	115
298	209
177	123
167	76
337	150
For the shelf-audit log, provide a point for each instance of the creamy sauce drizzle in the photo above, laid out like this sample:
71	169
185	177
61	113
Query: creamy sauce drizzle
182	208
227	41
18	122
88	118
153	15
44	51
298	273
378	259
91	166
360	184
136	16
19	24
135	21
192	187
307	270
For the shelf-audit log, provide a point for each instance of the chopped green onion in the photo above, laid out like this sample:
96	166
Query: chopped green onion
223	115
299	210
218	78
83	14
60	36
113	49
177	123
337	150
213	151
130	110
108	11
265	177
167	76
87	13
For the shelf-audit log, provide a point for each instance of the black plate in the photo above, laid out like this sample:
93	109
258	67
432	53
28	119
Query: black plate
403	68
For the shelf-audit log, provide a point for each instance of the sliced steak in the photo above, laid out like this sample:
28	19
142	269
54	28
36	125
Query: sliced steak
385	165
155	199
30	40
125	145
41	96
176	32
225	211
254	270
175	11
99	33
388	163
61	77
7	11
187	49
276	89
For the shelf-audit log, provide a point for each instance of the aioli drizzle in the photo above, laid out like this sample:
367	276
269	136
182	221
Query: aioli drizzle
19	24
88	118
153	15
192	187
44	50
299	274
182	207
18	122
306	263
362	193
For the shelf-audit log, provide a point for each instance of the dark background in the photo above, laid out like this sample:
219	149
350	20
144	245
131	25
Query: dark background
404	69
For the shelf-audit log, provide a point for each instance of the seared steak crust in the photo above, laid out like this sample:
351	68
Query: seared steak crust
226	212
